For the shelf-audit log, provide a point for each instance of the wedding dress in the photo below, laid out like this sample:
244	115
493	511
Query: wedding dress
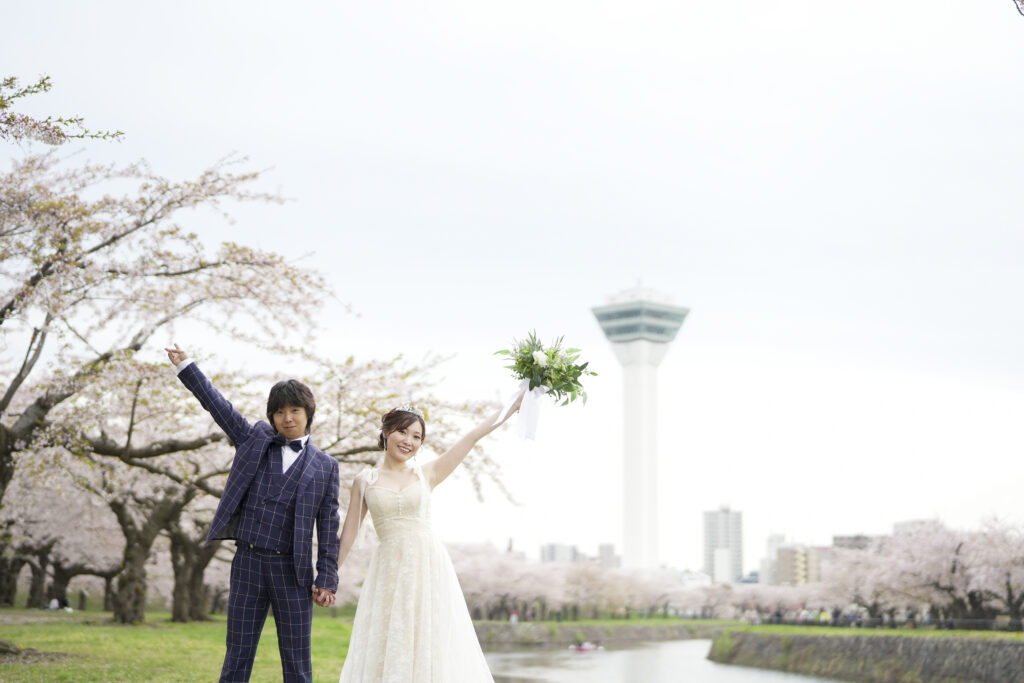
411	623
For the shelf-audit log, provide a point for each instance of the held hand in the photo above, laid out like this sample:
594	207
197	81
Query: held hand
323	597
176	355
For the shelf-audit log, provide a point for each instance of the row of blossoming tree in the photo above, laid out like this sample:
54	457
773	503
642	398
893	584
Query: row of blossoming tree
961	578
103	455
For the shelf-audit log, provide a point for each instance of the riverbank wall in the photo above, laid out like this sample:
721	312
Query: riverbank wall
875	659
500	634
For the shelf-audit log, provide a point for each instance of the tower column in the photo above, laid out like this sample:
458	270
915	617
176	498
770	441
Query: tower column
640	325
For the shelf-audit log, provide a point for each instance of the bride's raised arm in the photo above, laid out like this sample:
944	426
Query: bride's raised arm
438	470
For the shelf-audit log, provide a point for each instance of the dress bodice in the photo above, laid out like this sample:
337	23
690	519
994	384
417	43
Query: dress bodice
394	511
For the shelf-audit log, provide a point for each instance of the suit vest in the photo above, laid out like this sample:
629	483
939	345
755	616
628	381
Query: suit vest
267	517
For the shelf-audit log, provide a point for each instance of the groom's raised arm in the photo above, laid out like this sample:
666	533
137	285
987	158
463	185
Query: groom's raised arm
224	414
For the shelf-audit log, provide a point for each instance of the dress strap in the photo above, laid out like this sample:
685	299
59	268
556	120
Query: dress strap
367	477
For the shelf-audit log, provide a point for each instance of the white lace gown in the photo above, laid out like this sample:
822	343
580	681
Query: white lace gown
411	623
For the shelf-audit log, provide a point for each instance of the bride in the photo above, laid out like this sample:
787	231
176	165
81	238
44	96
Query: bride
411	623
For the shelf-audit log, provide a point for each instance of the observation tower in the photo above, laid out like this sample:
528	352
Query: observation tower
640	324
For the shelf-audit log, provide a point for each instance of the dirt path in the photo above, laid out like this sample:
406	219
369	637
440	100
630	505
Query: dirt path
9	619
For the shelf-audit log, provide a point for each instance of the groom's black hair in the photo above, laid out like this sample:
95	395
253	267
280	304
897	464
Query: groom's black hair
291	392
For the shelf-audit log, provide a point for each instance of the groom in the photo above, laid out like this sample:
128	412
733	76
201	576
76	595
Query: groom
279	485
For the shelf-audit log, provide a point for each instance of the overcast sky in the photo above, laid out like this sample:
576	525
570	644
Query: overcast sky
833	189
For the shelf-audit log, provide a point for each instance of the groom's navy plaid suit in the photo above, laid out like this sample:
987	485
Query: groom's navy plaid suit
273	565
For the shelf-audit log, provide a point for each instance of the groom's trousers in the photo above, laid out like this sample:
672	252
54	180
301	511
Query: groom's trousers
260	580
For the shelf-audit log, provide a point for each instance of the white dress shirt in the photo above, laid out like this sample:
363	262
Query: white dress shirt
288	456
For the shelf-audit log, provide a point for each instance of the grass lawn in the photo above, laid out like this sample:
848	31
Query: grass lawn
94	649
649	621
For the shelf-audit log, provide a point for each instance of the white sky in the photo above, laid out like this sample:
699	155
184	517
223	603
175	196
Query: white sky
832	188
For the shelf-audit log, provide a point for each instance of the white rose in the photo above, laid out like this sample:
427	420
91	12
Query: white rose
540	359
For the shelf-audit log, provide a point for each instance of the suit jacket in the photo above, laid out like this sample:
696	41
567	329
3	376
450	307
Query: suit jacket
316	497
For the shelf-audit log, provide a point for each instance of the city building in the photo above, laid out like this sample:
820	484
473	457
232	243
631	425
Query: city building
606	556
854	542
768	574
751	577
559	552
640	324
797	565
723	544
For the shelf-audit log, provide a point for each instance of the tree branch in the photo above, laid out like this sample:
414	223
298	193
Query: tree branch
8	309
201	484
131	417
33	416
344	455
104	445
31	356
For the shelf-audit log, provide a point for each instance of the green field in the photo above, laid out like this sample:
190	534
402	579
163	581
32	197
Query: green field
86	646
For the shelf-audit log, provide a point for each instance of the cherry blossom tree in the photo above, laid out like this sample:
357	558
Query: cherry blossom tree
934	565
999	553
130	440
89	277
490	579
867	578
968	577
36	518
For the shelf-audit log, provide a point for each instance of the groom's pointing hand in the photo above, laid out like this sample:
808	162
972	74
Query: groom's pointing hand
176	355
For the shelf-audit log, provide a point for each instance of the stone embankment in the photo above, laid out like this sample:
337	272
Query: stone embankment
499	634
882	659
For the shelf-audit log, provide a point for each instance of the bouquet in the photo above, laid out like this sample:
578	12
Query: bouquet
552	370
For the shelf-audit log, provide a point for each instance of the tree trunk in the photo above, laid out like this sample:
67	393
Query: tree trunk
219	603
37	587
61	578
108	593
6	462
10	567
62	575
130	599
39	565
199	606
189	559
979	610
182	566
